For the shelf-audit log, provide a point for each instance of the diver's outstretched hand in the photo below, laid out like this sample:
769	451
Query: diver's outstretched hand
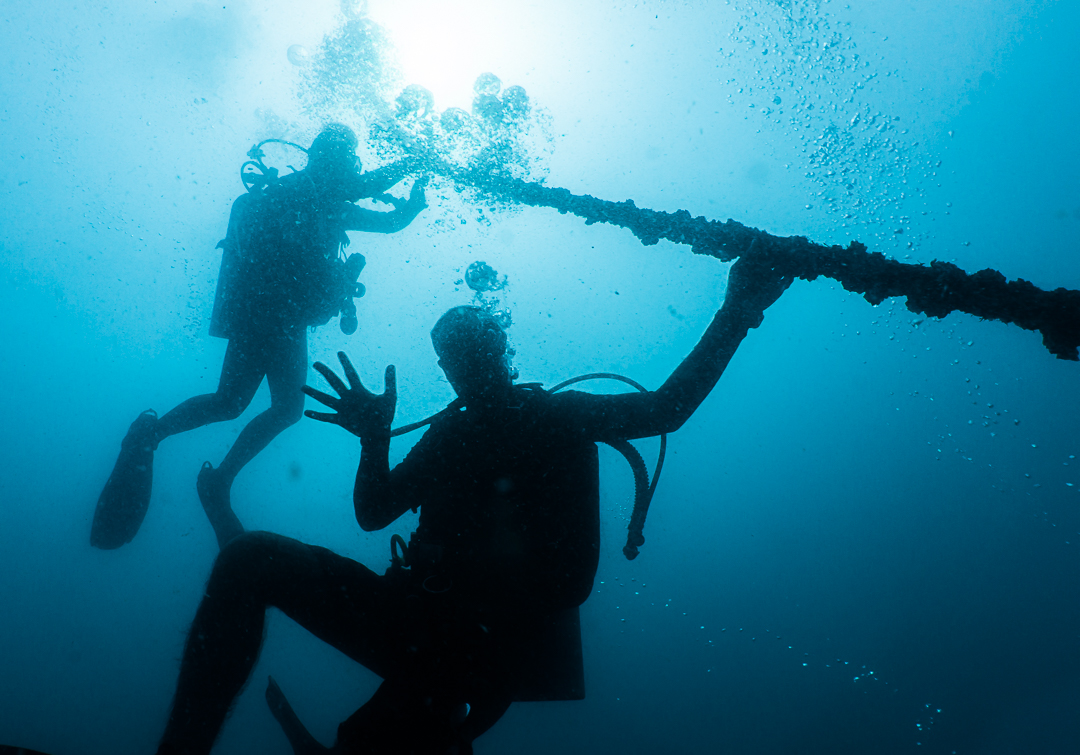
755	282
417	199
361	412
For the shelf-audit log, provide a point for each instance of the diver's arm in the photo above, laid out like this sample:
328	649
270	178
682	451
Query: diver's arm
374	501
380	494
693	380
359	219
753	285
379	180
368	416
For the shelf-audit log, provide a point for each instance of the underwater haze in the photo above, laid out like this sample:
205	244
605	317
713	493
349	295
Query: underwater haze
866	540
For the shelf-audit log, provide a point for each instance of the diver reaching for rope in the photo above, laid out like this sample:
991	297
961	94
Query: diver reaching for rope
280	274
484	612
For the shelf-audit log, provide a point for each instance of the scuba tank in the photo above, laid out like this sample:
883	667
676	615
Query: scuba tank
256	177
643	488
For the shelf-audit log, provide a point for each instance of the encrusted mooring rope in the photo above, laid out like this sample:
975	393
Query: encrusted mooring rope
935	290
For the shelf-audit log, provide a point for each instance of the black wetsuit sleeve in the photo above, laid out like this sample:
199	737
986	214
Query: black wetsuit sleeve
374	183
379	180
641	415
380	494
373	221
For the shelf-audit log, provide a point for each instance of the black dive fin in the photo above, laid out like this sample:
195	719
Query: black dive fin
122	505
299	737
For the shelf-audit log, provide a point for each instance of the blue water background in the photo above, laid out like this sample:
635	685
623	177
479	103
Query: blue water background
866	540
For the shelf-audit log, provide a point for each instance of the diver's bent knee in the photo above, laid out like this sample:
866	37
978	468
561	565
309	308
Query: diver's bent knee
292	412
249	552
229	406
232	410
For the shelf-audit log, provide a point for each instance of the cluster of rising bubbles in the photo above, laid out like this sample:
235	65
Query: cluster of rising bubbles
807	79
484	281
352	77
503	133
482	277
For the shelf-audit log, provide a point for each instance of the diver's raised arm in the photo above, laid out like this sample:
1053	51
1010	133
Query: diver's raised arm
753	285
379	180
359	219
374	501
368	416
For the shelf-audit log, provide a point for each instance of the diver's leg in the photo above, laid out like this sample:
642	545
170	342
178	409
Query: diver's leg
284	361
125	499
216	502
483	714
286	371
241	374
340	601
402	716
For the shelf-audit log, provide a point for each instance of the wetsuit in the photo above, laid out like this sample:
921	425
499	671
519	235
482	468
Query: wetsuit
280	269
507	545
280	274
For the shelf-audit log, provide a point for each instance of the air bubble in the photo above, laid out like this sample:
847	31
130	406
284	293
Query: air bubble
298	55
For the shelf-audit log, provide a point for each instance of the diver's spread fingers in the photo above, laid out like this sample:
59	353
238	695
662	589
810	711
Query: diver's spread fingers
322	416
331	378
322	398
390	381
350	371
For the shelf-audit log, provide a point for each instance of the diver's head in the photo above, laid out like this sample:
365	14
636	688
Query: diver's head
472	349
332	160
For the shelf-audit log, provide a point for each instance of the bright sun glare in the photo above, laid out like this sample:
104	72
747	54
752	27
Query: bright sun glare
444	46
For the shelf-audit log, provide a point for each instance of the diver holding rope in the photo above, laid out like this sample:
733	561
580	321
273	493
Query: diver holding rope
281	273
483	609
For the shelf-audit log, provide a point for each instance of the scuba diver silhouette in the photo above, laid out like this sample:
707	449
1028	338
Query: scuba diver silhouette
481	608
281	273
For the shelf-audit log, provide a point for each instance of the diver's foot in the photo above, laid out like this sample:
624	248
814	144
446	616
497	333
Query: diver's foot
122	504
214	496
143	432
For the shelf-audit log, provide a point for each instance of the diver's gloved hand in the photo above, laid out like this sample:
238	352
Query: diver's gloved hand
417	200
755	282
363	413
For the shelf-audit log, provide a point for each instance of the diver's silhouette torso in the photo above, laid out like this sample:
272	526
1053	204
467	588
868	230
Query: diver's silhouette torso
280	273
509	502
280	265
507	540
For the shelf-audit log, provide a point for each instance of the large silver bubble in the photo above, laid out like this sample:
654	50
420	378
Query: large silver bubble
487	85
298	55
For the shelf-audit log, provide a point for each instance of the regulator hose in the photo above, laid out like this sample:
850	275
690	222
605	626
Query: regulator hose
256	181
643	489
